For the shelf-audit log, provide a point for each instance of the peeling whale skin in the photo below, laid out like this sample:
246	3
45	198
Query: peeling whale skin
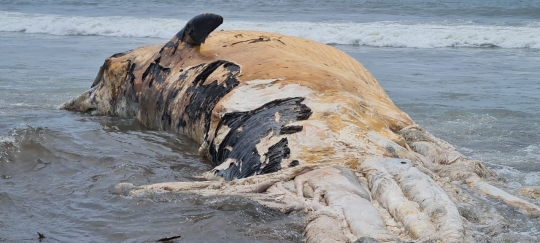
298	125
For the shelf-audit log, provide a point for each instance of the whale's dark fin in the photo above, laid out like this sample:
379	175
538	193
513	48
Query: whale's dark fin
198	28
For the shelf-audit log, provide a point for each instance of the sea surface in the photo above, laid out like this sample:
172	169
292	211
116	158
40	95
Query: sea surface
466	70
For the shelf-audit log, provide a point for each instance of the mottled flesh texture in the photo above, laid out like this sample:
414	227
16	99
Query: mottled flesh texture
301	126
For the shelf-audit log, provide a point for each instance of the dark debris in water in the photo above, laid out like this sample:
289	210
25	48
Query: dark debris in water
169	239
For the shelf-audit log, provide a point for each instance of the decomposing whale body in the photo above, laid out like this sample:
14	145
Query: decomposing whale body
298	125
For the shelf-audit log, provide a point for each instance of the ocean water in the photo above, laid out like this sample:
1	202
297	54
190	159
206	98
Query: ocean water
465	70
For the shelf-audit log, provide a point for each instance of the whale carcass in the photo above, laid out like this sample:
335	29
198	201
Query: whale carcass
298	125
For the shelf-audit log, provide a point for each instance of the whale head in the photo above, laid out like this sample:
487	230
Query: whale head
117	87
113	91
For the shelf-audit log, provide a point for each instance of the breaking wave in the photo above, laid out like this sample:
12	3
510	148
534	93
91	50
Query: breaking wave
377	34
20	136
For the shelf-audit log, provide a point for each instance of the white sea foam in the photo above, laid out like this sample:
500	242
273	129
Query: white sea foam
517	167
379	34
6	139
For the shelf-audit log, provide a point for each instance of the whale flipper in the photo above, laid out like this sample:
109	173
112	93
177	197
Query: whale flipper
198	28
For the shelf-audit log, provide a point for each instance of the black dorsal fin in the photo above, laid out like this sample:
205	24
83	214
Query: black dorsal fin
198	28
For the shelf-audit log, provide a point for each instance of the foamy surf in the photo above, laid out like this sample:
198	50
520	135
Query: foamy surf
376	34
7	145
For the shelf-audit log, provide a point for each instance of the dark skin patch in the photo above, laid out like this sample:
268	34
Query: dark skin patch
290	129
112	104
193	94
294	163
165	117
94	98
276	153
120	54
256	124
155	73
130	75
391	151
99	76
163	103
170	44
132	95
203	98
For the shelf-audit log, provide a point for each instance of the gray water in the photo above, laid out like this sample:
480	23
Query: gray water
58	169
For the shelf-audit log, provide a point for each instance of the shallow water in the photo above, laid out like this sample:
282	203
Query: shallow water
58	169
